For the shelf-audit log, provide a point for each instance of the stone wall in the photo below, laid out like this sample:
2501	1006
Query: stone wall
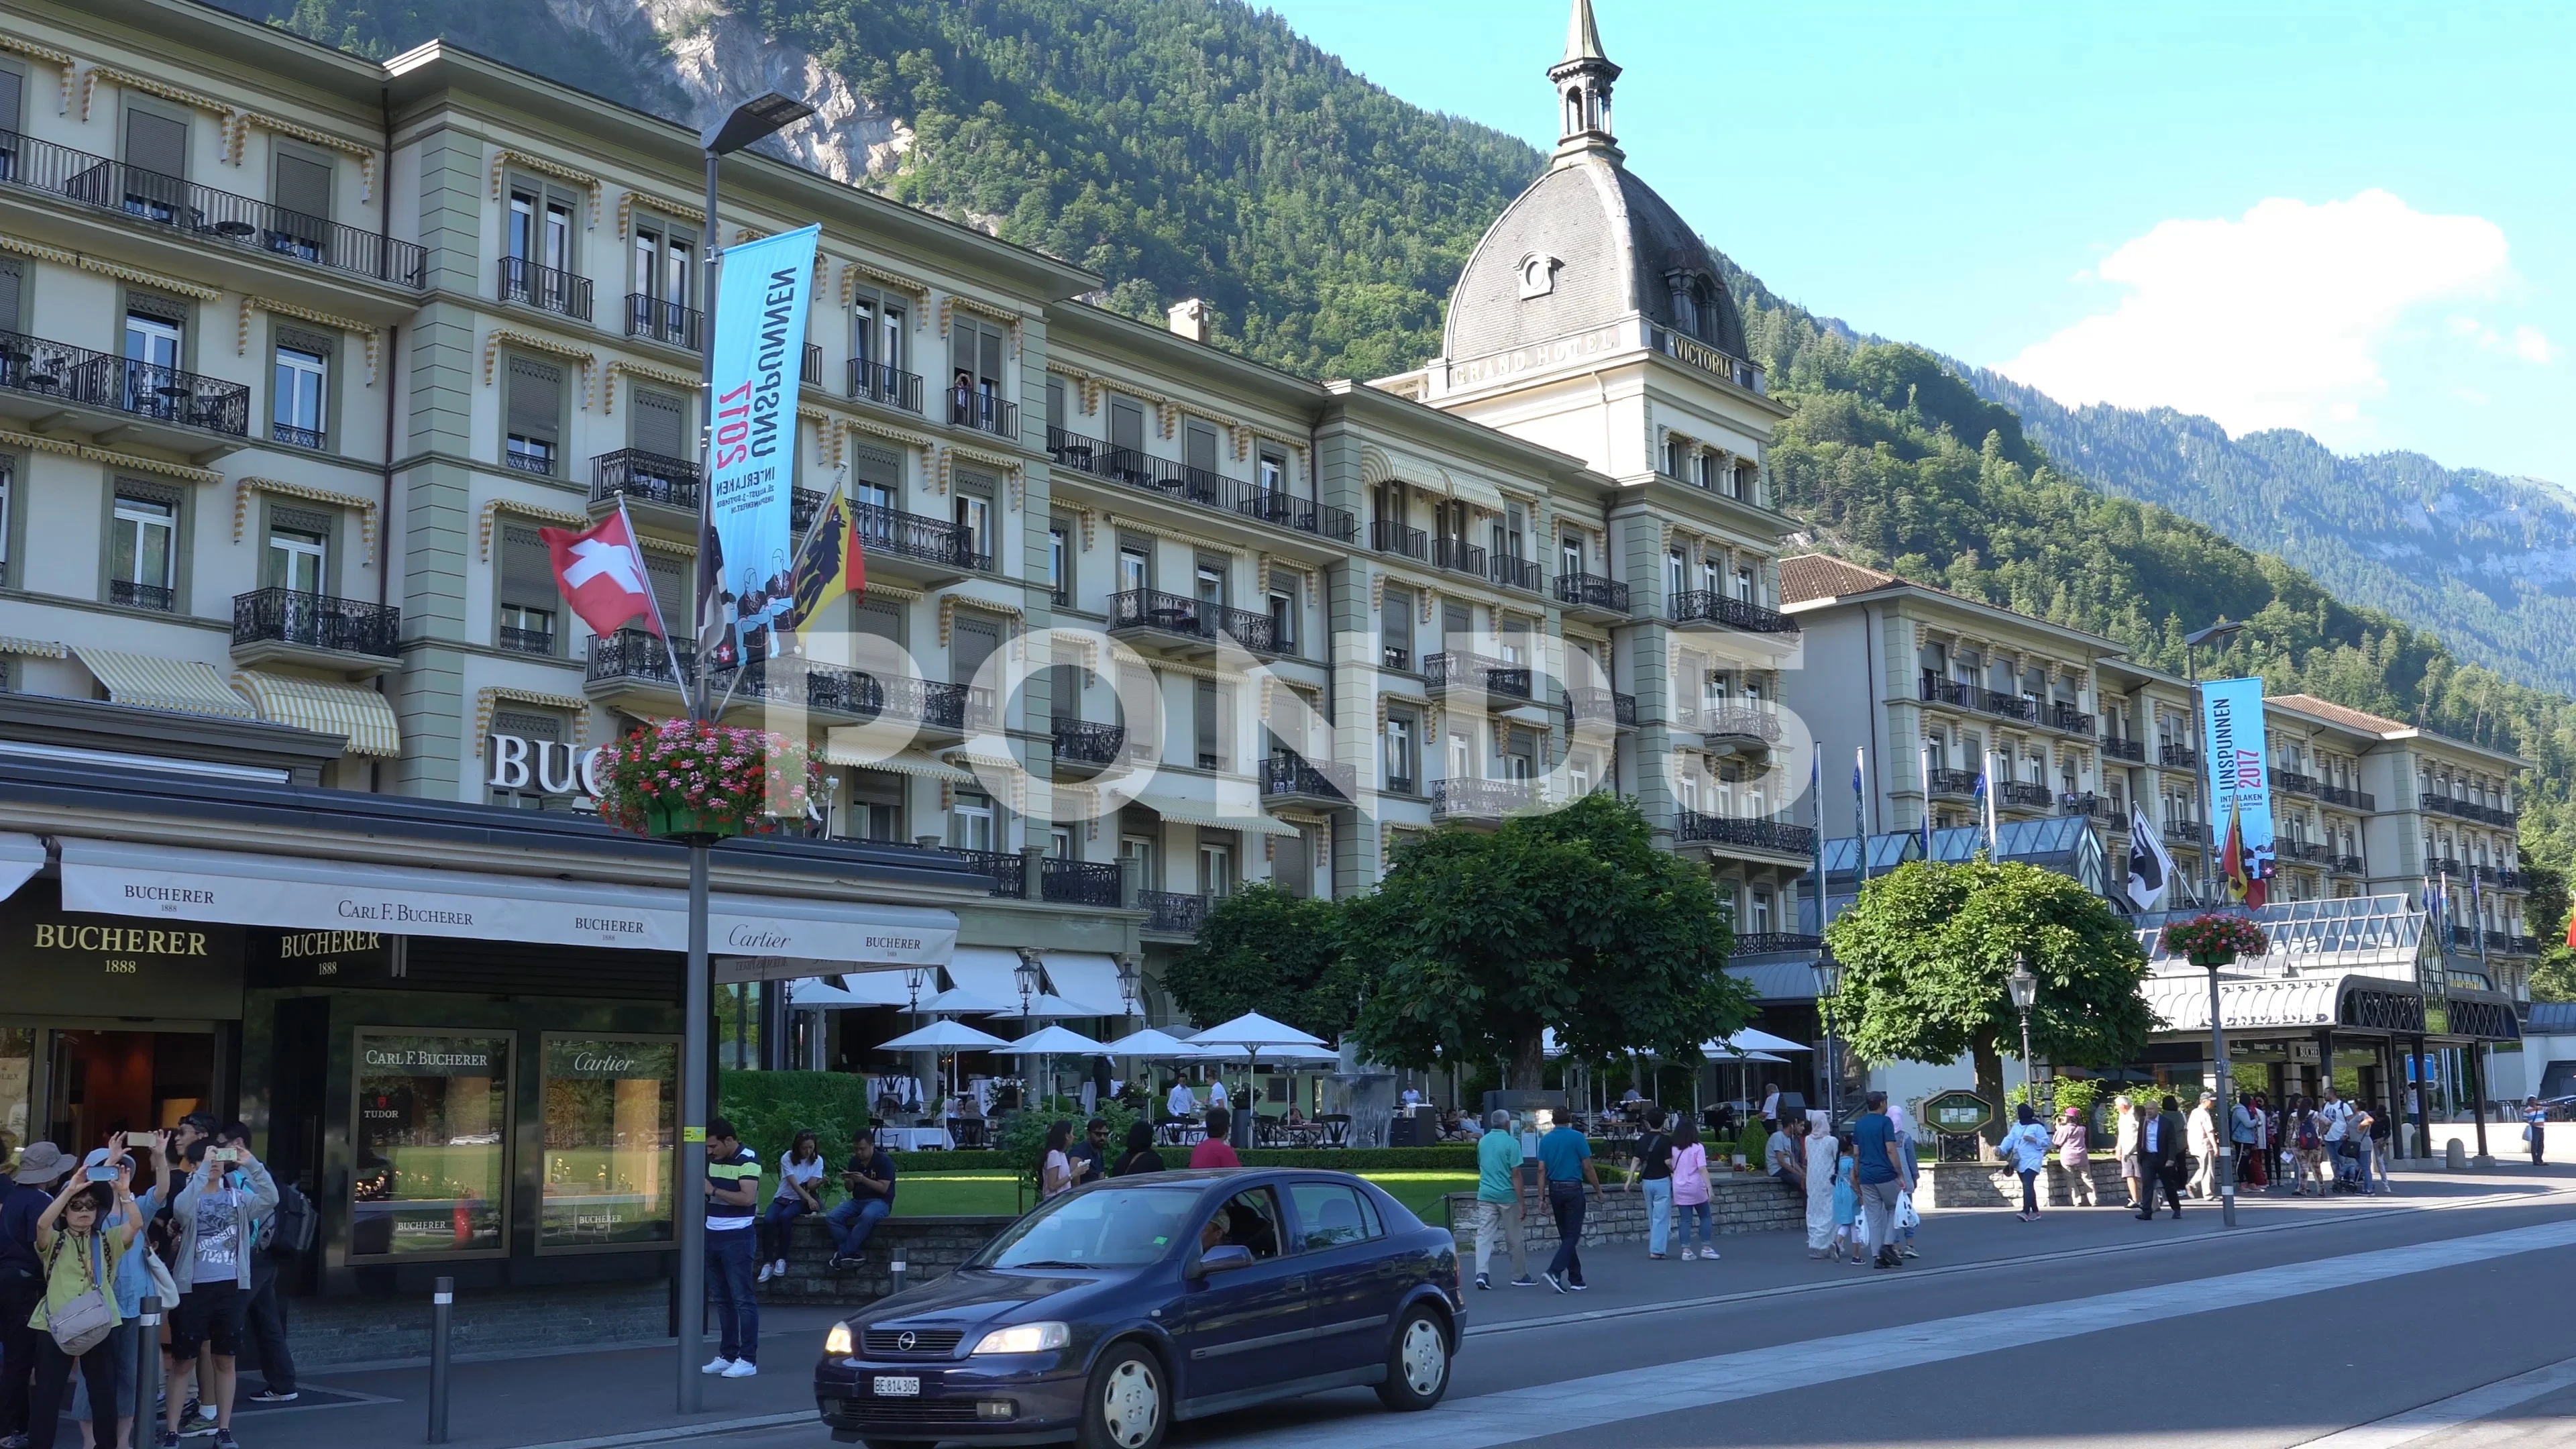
1740	1203
1952	1185
927	1247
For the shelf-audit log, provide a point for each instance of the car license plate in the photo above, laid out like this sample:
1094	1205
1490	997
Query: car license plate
898	1386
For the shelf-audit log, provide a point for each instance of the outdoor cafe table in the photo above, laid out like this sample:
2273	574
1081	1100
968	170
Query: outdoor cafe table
914	1139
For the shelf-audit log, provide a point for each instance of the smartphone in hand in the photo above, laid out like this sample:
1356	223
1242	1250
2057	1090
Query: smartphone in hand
99	1174
146	1140
223	1154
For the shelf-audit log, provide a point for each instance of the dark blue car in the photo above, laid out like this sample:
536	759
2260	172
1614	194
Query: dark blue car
1122	1306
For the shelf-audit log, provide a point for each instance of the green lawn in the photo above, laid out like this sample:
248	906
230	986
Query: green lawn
969	1194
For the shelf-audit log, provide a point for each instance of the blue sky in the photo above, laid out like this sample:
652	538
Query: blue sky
2356	219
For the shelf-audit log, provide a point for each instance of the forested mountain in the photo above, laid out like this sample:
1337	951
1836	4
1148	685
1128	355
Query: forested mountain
1200	148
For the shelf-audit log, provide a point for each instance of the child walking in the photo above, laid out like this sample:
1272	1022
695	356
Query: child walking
1846	1210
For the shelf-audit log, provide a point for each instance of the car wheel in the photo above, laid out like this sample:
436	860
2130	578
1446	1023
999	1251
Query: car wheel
1126	1405
1417	1363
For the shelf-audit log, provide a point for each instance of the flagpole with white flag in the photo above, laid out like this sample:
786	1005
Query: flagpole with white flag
2146	850
1994	833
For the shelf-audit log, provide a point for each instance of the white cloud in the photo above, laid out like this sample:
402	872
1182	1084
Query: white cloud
2276	319
2530	346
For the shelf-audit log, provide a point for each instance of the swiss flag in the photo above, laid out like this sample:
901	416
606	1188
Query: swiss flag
601	572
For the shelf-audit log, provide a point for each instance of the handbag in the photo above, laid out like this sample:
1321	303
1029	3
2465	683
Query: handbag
83	1323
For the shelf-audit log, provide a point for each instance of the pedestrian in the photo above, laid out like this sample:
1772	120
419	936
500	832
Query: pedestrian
2308	1148
1140	1156
1882	1178
1771	1106
2535	1128
2124	1145
2160	1159
2334	1129
1498	1200
1055	1171
1816	1135
264	1321
41	1167
2371	1131
1181	1104
1213	1150
2244	1134
869	1179
2025	1150
1090	1156
1565	1156
732	1192
1846	1209
2201	1135
800	1183
216	1211
1784	1156
80	1248
1691	1190
1650	1170
1216	1101
2074	1143
1907	1219
132	1279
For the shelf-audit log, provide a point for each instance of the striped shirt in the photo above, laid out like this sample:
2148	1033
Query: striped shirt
732	1172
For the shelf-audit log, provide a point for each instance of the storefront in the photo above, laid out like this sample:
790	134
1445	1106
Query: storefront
457	1028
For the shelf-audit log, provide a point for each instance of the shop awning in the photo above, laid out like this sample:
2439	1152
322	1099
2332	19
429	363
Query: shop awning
1203	814
1087	977
859	988
354	710
32	648
240	888
21	856
2181	1003
987	971
1475	492
902	762
148	681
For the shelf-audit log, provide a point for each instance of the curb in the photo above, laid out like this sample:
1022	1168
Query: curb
678	1432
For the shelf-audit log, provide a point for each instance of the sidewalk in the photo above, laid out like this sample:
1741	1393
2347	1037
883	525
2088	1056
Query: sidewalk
622	1396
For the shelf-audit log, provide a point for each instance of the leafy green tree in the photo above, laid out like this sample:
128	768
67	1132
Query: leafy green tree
1571	920
1265	950
1929	947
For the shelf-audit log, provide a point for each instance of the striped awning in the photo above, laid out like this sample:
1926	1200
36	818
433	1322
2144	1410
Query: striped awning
1204	815
904	762
354	710
32	648
147	681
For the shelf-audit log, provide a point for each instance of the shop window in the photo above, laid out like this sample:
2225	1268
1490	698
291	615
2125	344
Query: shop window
612	1118
433	1142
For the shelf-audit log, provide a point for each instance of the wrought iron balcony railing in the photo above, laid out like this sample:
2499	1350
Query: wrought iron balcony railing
121	384
657	320
295	437
1079	882
1516	573
2029	794
1083	742
126	593
316	621
1592	591
1729	830
918	536
1480	799
886	386
1458	554
1183	483
1738	721
1936	690
644	477
1289	774
1172	912
1953	782
1397	539
549	289
2010	706
1494	676
1002	867
527	641
1709	606
2070	719
985	412
1607	705
2120	747
2293	782
1180	614
2180	757
1764	943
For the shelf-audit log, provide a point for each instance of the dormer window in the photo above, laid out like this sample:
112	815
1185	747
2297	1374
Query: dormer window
1538	275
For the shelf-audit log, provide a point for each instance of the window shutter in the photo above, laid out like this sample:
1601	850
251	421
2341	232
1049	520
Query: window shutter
12	89
9	280
661	423
975	643
989	353
304	186
1126	425
536	398
527	569
156	143
1055	403
530	727
881	619
671	591
1202	448
878	468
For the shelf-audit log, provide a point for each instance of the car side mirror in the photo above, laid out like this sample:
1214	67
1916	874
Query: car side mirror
1224	1258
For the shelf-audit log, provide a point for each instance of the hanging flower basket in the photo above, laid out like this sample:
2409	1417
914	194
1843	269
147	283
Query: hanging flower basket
682	779
2215	940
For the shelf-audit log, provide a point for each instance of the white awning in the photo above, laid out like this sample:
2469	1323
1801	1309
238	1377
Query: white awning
236	888
2181	1003
353	710
988	971
1203	814
859	988
1475	492
21	856
901	762
150	682
1087	977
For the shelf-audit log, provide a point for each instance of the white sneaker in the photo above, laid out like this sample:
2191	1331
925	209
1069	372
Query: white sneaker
1687	1255
742	1368
717	1365
781	1266
765	1272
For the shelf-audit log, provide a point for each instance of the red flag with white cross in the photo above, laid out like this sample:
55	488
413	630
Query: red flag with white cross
601	572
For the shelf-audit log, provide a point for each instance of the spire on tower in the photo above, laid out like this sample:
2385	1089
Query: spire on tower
1583	81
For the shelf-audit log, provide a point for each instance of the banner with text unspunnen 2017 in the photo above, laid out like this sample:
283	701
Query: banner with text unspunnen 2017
761	299
2231	720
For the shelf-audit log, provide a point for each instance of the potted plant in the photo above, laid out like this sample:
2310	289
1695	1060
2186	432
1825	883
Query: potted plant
2214	939
690	778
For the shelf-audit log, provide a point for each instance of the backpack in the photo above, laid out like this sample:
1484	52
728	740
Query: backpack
291	1225
2307	1132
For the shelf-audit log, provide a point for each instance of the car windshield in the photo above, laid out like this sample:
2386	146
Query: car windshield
1107	1227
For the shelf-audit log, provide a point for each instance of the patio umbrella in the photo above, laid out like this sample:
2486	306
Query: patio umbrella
943	1036
1255	1033
1046	1006
1750	1040
1052	1041
1151	1042
958	1001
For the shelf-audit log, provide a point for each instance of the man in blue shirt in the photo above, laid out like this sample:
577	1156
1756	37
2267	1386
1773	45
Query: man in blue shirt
1498	1200
1566	1155
870	1179
1881	1174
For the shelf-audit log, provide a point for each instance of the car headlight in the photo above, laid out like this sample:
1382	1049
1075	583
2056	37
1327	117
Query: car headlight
837	1342
1026	1338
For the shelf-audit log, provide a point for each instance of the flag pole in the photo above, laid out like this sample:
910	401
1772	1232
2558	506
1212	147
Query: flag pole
661	626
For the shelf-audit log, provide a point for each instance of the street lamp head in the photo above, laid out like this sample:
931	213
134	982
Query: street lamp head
1127	981
753	119
1025	976
1829	975
2215	636
2025	987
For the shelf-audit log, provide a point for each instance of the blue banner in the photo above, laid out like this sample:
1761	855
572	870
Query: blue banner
762	292
2240	781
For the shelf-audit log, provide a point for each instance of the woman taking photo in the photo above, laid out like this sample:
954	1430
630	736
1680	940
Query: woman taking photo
76	1320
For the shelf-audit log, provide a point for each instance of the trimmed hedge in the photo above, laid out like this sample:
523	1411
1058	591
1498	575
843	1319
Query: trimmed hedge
768	1109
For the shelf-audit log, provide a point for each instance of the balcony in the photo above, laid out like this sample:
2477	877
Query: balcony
292	627
537	642
2070	719
40	380
1184	484
2521	946
2346	864
2464	938
2009	706
914	547
295	437
2348	798
2449	865
548	289
2306	852
2092	806
631	662
1591	594
205	216
669	323
985	412
1288	779
875	382
1517	573
2025	795
1773	943
1081	744
2186	832
1177	617
1480	800
1731	833
658	490
1442	672
1394	656
2120	747
1694	353
2504	878
1953	782
127	594
1003	868
1171	913
1399	540
1079	882
1934	689
1707	606
2179	757
2294	783
1458	556
1741	726
1601	706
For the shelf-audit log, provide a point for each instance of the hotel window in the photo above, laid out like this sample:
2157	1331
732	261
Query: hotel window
1462	758
1216	870
8	516
1059	566
1283	618
1141	850
533	407
1569	554
1676	573
1578	775
1761	911
143	549
299	390
970	821
1274	472
541	235
1208	717
612	1116
512	780
975	374
1400	774
433	1136
974	514
156	159
659	294
155	350
877	343
1744	585
1395	621
527	597
298	550
1135	568
1676	456
1709	571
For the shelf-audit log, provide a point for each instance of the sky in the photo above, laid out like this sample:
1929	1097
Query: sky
2358	220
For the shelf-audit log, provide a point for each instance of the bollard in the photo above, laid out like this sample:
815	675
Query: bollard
895	1271
147	1372
442	1309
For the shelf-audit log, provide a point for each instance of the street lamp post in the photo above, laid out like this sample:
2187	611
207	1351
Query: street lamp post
2025	991
1829	984
2216	637
747	123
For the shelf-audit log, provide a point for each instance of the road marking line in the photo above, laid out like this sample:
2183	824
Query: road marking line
2425	1420
1536	1411
675	1432
1867	1282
